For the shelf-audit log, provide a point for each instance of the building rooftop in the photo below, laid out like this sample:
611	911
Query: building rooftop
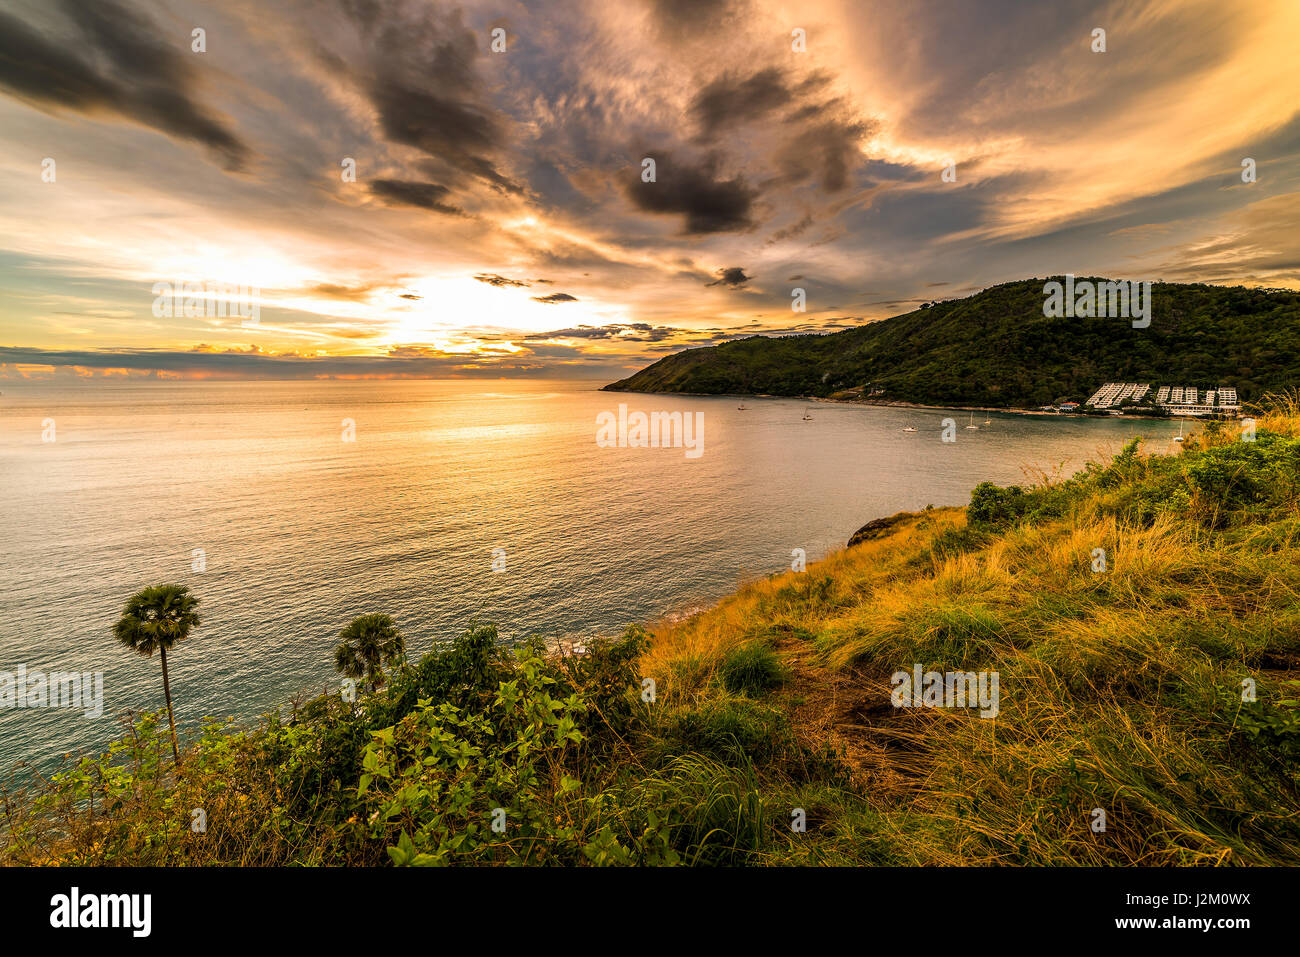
1184	399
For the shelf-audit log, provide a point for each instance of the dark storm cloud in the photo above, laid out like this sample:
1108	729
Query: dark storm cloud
677	18
709	203
733	276
453	132
730	100
623	332
110	59
418	71
699	11
826	149
403	192
556	297
818	137
492	279
794	230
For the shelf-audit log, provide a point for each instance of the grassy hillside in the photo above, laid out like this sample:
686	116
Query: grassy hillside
1121	689
996	349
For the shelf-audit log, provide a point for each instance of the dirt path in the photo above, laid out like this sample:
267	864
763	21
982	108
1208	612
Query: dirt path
851	711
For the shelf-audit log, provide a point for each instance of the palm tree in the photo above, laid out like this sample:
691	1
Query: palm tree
369	643
157	618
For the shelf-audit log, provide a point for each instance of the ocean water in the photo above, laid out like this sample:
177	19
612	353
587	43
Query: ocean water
301	531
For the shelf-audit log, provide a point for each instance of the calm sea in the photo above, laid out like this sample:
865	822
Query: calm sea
300	530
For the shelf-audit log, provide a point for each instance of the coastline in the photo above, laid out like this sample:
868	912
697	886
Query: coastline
992	408
898	403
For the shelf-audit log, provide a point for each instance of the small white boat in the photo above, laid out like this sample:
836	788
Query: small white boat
1179	436
972	422
909	429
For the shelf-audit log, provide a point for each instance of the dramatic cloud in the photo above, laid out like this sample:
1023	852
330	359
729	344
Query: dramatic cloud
116	60
417	68
733	276
623	332
826	150
556	297
729	101
492	279
684	18
709	202
410	193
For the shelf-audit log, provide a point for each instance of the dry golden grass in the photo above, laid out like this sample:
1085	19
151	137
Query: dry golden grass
1120	690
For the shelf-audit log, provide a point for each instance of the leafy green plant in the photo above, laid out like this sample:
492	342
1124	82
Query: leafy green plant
993	507
1275	726
433	782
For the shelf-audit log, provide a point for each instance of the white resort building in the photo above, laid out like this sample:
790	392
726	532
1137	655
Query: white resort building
1176	400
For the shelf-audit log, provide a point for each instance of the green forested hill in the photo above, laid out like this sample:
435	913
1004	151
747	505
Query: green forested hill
996	348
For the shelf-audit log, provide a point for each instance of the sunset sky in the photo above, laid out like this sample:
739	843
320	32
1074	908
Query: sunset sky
498	224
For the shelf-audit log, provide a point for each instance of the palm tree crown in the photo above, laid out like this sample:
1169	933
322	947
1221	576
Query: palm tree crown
156	618
369	642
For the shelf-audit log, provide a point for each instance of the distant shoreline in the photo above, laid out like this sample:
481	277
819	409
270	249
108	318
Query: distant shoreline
896	403
990	408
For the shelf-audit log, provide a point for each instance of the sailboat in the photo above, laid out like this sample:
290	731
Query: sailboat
972	422
741	407
806	416
909	429
1179	436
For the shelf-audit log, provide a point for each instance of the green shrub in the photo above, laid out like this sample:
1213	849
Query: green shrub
993	507
752	669
1256	477
435	783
